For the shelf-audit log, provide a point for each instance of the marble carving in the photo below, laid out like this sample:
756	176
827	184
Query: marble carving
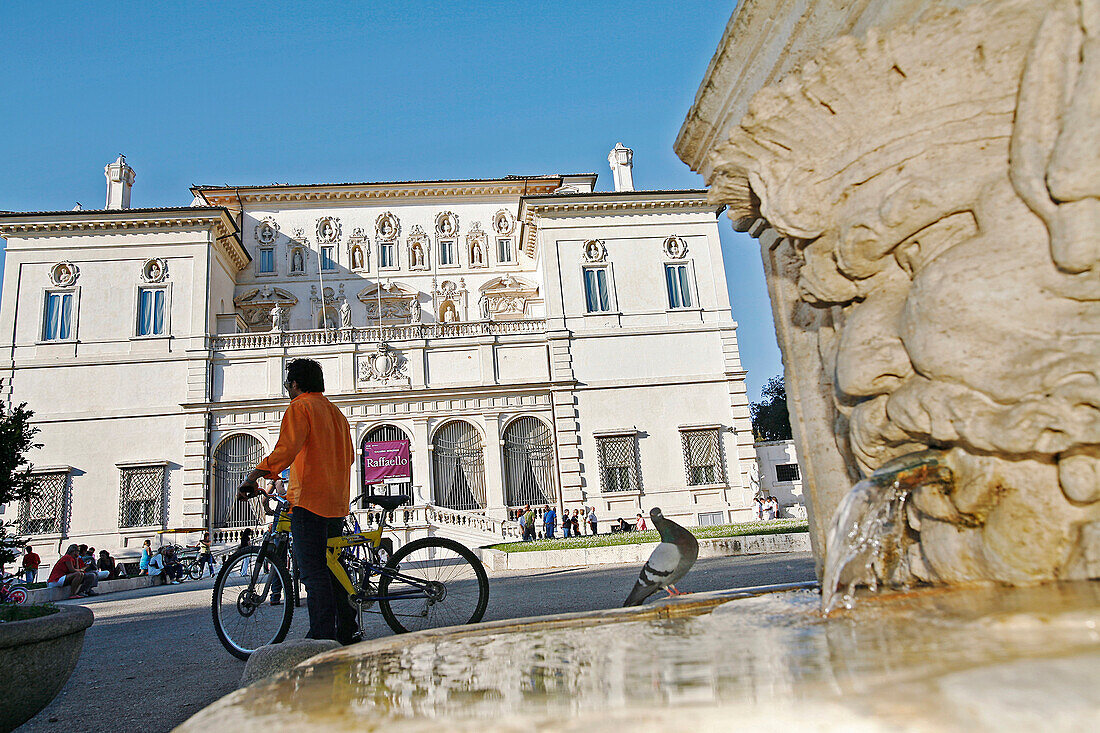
933	195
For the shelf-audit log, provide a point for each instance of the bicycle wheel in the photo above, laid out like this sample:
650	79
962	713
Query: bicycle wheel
438	582
194	570
243	616
18	596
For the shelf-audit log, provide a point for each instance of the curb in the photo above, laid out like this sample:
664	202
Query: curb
52	595
496	561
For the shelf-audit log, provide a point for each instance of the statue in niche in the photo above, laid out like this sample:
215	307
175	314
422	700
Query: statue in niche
356	257
414	311
944	286
417	253
345	313
448	313
277	318
329	319
327	232
483	306
154	271
446	227
476	255
296	264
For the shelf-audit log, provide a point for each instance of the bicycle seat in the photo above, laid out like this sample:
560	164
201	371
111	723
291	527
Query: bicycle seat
389	503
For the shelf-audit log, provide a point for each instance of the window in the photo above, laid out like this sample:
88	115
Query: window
703	456
504	250
150	312
267	260
679	292
447	253
385	255
58	324
595	290
327	261
141	496
44	514
786	472
709	519
618	458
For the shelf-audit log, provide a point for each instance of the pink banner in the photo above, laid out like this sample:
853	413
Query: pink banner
386	459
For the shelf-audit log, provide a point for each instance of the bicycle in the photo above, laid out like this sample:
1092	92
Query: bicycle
13	590
427	583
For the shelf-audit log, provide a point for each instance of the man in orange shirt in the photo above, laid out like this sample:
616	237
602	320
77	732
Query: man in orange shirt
315	442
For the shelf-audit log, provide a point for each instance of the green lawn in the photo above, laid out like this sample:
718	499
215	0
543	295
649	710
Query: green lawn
776	526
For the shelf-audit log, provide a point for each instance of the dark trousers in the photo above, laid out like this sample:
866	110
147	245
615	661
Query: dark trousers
330	614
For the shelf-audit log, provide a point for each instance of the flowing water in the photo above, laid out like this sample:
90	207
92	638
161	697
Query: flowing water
936	659
868	534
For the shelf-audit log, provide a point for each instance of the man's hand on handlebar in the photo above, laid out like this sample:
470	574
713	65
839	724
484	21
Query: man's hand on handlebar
248	489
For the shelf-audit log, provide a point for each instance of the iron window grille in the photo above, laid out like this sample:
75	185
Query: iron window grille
234	458
618	456
786	472
45	512
529	464
141	496
458	463
703	456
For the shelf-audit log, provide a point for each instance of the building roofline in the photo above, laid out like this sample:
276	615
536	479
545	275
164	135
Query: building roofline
199	189
113	213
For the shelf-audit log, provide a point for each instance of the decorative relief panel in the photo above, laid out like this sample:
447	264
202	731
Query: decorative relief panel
450	299
257	305
328	230
446	225
398	303
594	251
384	368
387	227
503	222
154	270
266	231
675	248
506	298
64	274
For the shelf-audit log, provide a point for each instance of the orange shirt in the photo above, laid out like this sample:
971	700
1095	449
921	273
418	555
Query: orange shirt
315	441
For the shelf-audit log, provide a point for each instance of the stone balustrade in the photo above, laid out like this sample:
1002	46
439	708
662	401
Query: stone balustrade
409	332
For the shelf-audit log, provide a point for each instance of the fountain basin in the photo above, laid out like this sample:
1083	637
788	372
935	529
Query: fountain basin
978	658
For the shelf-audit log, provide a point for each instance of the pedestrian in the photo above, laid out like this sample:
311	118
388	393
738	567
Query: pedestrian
155	568
315	443
566	524
146	556
593	523
775	507
109	569
206	557
639	524
173	568
528	523
759	502
769	509
576	522
67	572
31	562
549	521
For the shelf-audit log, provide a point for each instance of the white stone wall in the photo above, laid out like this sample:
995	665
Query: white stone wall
770	454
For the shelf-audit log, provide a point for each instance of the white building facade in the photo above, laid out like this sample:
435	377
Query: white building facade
780	476
535	341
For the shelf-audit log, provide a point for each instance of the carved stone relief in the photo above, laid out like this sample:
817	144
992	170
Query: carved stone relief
594	251
446	225
385	367
675	248
387	227
450	300
257	304
154	270
935	200
328	230
503	222
399	303
326	308
507	298
64	274
266	231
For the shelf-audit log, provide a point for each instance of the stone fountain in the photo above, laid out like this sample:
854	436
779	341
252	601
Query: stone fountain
923	177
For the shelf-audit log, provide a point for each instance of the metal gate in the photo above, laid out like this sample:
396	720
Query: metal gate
458	462
529	463
380	434
234	458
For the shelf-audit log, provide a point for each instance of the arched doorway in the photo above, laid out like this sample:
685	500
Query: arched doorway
458	462
379	434
234	458
529	464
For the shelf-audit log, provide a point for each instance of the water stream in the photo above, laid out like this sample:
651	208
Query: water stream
867	538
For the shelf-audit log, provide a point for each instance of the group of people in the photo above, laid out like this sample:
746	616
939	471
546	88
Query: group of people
767	507
80	569
162	565
571	523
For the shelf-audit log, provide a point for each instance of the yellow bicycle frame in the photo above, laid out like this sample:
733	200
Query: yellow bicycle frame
336	544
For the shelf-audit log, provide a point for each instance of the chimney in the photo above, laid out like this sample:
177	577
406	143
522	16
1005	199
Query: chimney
120	179
622	162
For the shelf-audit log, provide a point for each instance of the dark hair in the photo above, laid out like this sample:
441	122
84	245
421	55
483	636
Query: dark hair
82	549
307	373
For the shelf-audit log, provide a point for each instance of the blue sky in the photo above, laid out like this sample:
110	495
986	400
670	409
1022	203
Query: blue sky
311	92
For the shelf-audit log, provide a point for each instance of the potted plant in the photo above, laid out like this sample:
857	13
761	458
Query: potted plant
39	645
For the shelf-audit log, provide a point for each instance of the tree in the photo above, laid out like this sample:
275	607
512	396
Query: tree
770	420
16	482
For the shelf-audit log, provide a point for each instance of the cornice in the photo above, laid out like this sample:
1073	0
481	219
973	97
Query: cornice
371	192
225	229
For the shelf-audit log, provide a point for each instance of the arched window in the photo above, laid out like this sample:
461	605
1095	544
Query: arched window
458	462
528	463
234	458
379	434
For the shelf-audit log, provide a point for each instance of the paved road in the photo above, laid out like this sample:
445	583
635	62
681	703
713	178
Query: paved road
151	659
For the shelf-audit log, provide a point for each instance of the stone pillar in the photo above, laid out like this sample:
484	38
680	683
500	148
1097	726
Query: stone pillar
495	505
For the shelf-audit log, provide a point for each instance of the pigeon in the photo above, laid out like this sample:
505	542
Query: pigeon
669	562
